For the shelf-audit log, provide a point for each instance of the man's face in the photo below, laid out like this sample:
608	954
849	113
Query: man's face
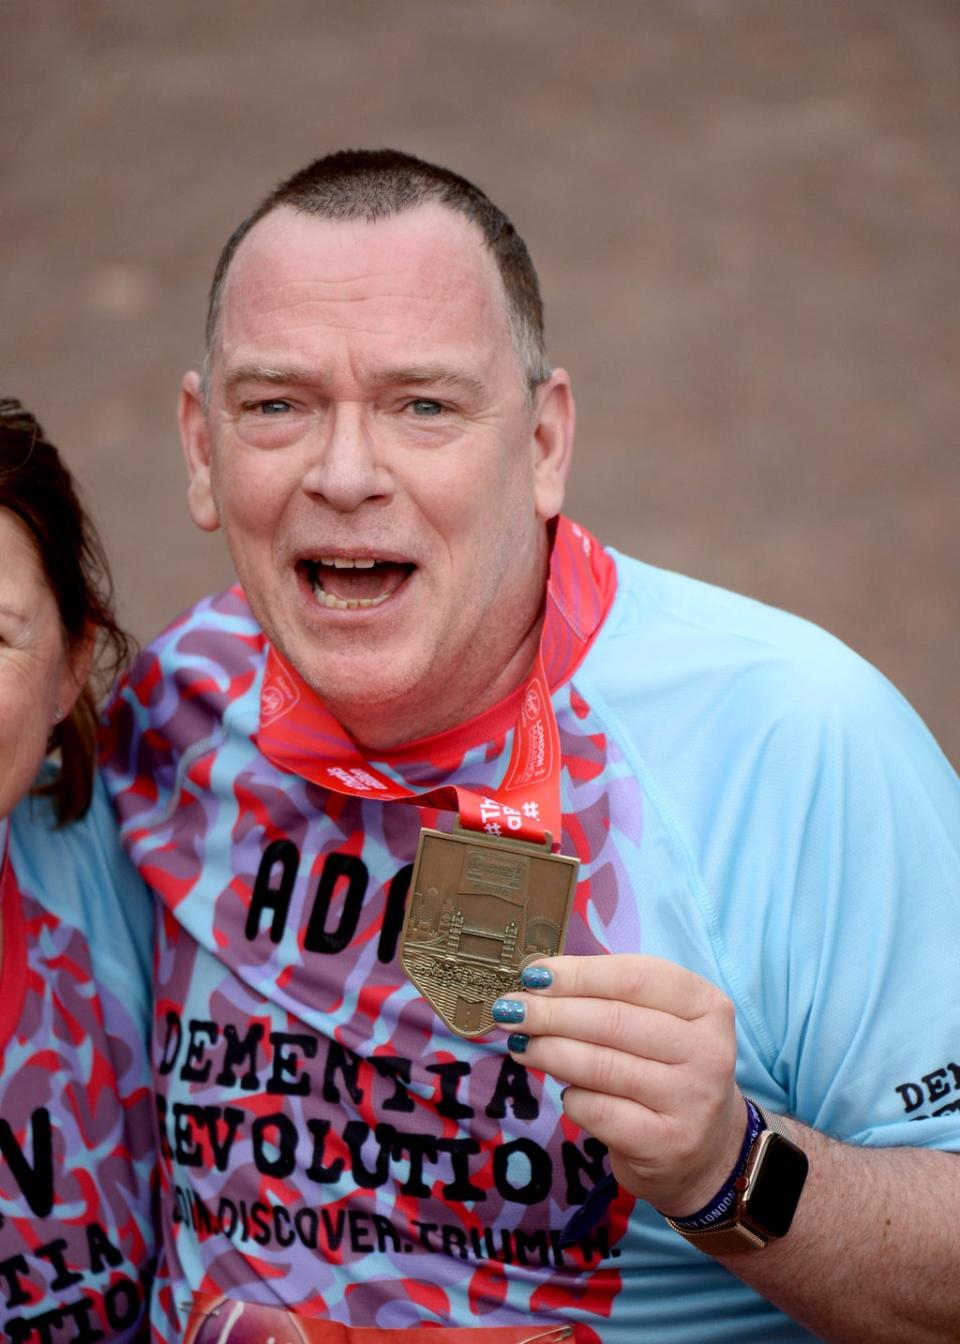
380	473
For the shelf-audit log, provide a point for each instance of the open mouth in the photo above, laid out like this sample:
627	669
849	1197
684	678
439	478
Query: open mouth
346	583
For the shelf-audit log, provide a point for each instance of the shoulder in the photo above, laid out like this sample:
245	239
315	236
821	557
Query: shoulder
734	709
80	875
714	653
699	624
86	848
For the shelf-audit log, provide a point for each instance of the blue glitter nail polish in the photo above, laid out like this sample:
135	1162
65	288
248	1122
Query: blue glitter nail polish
536	977
517	1042
507	1011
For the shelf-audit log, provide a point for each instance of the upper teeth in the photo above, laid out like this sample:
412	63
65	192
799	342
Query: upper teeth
348	561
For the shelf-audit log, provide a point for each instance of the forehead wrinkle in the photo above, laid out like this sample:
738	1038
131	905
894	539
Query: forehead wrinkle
433	306
276	254
357	256
271	266
356	317
279	362
401	283
452	276
266	307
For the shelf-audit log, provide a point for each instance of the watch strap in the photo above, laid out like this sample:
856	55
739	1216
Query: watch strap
730	1239
773	1121
733	1236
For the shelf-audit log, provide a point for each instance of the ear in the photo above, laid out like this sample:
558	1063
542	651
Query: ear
76	670
195	438
553	443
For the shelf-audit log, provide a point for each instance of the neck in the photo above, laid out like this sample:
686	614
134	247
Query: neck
465	682
382	727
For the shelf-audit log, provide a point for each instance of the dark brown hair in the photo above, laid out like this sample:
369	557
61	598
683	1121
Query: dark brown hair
36	487
373	184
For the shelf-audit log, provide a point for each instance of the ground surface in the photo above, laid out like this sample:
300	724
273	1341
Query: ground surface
746	215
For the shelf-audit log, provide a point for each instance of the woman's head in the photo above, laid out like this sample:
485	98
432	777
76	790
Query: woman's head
56	620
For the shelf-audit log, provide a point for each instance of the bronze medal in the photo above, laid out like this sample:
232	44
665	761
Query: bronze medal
480	908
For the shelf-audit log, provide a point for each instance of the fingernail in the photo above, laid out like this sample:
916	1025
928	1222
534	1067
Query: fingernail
536	977
517	1042
508	1010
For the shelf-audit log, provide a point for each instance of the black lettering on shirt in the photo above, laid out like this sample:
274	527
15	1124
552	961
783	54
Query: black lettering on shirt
269	896
35	1178
337	867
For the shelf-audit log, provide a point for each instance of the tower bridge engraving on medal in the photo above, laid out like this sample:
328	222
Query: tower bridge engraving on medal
479	909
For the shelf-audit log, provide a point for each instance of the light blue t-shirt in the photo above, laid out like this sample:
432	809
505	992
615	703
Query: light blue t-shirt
746	797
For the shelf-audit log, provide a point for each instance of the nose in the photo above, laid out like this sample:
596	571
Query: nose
344	468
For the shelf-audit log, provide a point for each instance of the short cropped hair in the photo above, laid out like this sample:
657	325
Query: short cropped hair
37	488
374	184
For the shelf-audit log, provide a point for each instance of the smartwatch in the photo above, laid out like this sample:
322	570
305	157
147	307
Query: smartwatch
767	1193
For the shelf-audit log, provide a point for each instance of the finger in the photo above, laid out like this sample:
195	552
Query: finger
603	1070
650	982
625	1126
646	1032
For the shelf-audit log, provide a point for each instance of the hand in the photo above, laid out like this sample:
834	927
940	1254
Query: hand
649	1051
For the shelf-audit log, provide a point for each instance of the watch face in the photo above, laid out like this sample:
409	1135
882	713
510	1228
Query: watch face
775	1184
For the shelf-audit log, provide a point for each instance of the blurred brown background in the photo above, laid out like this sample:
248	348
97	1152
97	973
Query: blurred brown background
746	216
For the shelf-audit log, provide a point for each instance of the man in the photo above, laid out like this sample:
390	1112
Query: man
767	904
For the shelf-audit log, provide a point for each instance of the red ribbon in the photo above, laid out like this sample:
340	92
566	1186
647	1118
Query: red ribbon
299	734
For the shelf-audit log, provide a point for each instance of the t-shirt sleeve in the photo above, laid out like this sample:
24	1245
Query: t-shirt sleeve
817	824
846	911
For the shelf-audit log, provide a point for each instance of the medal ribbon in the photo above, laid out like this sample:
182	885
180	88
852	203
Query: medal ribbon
299	734
8	882
13	963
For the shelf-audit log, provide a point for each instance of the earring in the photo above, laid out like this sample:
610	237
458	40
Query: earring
58	716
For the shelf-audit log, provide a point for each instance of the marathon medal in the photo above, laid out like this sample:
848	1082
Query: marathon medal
481	907
489	897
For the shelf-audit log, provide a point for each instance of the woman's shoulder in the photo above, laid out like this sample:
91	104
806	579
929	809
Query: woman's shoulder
79	872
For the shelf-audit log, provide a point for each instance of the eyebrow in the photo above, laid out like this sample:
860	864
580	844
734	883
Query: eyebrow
418	375
262	373
434	374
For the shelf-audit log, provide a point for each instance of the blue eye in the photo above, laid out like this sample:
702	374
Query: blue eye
274	407
426	408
